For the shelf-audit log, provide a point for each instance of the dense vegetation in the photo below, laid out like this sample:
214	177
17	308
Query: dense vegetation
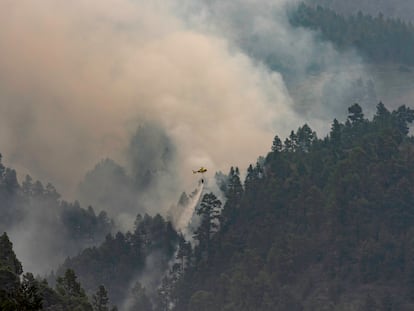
124	258
378	39
32	202
106	272
28	293
398	9
319	224
323	224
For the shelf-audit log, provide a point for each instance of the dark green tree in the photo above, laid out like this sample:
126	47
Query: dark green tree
356	115
10	270
305	137
184	253
29	296
277	145
15	294
73	294
404	116
234	193
335	134
100	299
68	285
209	212
8	258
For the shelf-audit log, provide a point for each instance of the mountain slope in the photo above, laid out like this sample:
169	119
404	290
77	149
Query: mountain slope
324	224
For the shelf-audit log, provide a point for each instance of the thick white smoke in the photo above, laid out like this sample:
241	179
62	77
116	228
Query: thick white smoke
77	76
321	80
184	218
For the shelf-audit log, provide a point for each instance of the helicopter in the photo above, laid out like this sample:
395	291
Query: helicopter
200	170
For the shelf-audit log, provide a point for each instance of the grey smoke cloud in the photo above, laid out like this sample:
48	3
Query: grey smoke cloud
77	76
321	80
146	184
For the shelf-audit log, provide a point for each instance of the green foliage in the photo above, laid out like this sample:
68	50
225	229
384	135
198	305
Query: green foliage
8	259
100	299
11	198
319	224
27	293
60	220
209	212
68	286
121	257
377	38
73	294
233	194
322	224
277	144
356	115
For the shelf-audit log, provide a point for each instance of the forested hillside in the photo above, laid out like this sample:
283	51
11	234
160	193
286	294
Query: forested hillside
323	224
319	224
125	259
398	9
98	277
27	293
378	39
31	210
150	91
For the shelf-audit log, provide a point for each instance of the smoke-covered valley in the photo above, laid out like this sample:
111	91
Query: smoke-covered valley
115	102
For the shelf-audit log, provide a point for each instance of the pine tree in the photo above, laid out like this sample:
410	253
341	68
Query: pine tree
28	296
356	115
335	134
16	295
209	212
8	258
234	193
73	294
100	299
305	137
277	145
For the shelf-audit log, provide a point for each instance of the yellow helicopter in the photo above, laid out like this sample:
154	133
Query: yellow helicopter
200	170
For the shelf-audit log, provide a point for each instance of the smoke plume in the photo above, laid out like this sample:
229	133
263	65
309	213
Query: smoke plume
159	87
77	78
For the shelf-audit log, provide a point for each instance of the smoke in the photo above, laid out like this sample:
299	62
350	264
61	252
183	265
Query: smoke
39	222
154	270
321	80
185	212
160	87
148	180
49	232
109	187
77	77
